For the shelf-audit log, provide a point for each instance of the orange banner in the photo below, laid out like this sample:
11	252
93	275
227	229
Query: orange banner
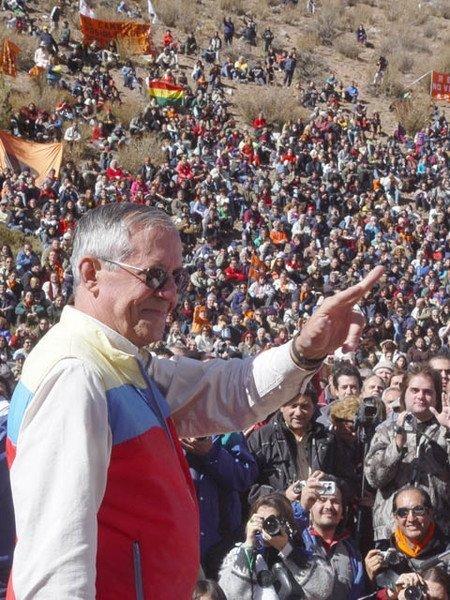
440	86
137	35
16	154
8	58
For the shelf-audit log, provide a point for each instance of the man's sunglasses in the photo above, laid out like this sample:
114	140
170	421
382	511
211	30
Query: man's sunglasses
156	278
417	511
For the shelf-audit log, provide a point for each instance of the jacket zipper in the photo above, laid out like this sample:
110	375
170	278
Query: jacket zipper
138	583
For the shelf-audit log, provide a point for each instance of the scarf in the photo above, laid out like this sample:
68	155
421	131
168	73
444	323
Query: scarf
413	549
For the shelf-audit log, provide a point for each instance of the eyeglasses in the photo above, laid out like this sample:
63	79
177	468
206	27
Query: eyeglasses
417	511
156	278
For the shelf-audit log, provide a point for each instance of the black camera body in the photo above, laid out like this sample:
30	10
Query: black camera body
414	592
273	525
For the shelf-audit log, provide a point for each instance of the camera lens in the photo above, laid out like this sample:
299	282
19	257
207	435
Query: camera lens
272	525
414	592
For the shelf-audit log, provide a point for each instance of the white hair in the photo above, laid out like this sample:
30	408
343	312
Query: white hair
106	232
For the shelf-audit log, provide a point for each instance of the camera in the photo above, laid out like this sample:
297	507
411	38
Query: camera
273	525
391	557
410	423
298	486
414	592
328	488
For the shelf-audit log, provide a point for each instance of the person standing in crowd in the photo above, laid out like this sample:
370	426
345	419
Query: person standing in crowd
412	450
222	469
242	572
323	515
416	538
105	404
292	446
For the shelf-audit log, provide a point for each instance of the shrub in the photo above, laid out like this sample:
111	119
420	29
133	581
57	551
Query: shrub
393	85
169	11
309	64
6	108
348	48
232	6
441	8
331	20
131	156
414	114
17	239
278	105
404	62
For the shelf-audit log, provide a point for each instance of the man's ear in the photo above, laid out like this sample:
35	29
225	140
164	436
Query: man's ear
89	267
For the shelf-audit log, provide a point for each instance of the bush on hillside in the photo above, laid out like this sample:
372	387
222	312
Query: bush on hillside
132	155
6	108
231	7
278	105
414	114
348	48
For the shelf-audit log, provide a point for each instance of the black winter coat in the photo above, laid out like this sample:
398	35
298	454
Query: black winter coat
275	450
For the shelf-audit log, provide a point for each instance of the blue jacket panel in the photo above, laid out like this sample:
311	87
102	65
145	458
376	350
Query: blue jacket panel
7	527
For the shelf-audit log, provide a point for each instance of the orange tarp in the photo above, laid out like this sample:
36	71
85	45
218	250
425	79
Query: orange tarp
135	35
440	86
8	58
17	154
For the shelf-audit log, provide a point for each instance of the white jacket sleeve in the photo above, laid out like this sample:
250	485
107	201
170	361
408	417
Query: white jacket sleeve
219	396
58	481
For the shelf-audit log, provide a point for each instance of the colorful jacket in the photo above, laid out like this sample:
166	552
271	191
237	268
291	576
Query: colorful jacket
105	506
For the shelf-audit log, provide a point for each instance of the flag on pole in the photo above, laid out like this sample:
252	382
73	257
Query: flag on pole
8	58
166	94
151	11
86	9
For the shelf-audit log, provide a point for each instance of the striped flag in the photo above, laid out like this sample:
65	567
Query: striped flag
166	94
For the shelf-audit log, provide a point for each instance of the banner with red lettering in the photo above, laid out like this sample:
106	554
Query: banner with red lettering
440	86
135	35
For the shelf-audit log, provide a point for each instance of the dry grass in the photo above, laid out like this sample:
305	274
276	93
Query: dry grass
310	65
414	114
393	86
132	156
27	45
403	61
277	105
6	108
330	21
16	239
441	8
232	7
348	47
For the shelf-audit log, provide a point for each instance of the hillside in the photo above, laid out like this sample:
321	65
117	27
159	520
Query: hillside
414	36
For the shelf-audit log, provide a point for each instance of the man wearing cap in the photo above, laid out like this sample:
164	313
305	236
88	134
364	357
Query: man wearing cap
384	369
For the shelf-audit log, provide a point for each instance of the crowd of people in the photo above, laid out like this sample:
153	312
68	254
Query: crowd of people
345	490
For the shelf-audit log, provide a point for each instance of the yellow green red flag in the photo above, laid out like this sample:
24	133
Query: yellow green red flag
166	94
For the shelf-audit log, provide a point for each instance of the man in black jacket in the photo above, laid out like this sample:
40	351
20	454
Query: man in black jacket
292	446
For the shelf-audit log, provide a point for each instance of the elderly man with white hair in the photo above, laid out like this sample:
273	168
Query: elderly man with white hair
105	506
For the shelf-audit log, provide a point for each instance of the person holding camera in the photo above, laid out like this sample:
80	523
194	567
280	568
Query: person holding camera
414	449
292	445
415	545
321	515
271	563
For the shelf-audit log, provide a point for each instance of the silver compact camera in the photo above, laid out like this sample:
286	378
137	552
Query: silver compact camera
328	488
410	423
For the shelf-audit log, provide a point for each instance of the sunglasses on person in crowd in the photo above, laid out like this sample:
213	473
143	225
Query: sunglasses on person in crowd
156	278
417	511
